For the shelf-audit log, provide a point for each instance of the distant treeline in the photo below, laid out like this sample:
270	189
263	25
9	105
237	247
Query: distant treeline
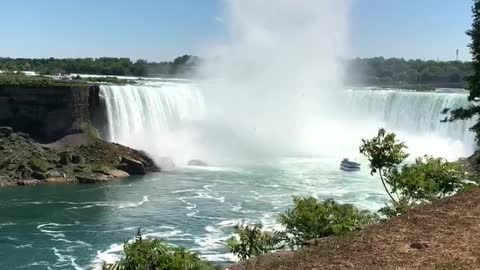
398	72
181	66
368	71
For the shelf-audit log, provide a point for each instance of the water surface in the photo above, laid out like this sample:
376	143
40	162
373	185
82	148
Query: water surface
78	226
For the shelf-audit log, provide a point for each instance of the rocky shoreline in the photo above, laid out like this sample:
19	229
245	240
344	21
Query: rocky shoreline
75	158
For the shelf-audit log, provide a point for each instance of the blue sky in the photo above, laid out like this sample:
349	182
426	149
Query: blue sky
164	29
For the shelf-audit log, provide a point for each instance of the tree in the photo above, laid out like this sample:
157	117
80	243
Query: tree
473	80
426	180
385	153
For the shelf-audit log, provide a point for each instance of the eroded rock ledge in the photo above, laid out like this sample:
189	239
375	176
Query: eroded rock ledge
74	158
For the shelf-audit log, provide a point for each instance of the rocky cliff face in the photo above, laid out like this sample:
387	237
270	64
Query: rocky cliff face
48	114
75	158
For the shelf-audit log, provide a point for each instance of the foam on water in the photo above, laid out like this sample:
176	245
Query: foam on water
65	260
137	204
109	256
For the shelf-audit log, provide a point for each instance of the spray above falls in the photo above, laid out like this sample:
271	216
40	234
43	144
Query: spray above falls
276	78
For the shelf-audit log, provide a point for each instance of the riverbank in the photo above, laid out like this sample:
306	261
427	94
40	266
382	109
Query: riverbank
441	235
79	157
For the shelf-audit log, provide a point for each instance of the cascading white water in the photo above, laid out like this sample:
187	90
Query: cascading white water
171	119
414	112
153	117
416	118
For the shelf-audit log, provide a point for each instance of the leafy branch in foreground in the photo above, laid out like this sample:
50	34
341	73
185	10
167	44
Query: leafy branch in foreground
146	254
250	241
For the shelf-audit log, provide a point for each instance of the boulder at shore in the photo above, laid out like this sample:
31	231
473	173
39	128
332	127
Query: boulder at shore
132	166
24	161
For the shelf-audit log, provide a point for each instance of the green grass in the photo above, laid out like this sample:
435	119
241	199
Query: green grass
22	81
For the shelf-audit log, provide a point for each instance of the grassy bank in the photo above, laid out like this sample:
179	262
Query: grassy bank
441	235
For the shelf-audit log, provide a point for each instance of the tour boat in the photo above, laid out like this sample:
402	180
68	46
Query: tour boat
349	166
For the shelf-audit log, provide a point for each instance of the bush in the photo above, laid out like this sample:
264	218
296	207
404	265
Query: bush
427	179
310	219
409	185
392	210
157	255
307	220
89	130
251	241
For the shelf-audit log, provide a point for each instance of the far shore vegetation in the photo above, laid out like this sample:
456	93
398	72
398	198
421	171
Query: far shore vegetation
377	71
20	80
180	66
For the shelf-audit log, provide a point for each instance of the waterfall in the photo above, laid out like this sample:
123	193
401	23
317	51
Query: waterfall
413	112
416	118
171	119
151	117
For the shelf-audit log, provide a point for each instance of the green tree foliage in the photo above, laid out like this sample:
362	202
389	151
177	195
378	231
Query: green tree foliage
385	153
407	73
155	254
182	65
10	79
310	219
369	71
250	241
425	180
474	34
474	79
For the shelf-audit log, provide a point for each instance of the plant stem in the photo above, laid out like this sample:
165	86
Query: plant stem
386	189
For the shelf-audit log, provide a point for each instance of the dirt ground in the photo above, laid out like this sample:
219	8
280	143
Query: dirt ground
444	235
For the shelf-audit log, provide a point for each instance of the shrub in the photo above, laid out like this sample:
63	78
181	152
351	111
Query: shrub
251	241
157	255
310	219
425	180
89	130
392	210
428	179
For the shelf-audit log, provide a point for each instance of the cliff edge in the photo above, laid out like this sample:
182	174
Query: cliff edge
46	109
